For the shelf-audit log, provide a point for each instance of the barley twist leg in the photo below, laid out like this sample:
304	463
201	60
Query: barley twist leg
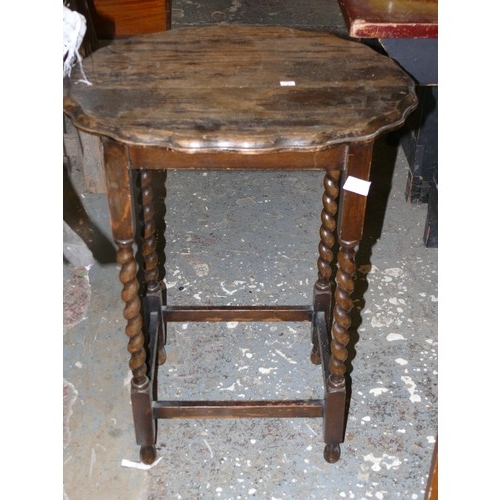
335	391
151	273
132	313
323	288
341	314
140	384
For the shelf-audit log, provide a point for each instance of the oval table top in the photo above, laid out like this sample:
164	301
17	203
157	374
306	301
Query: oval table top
238	88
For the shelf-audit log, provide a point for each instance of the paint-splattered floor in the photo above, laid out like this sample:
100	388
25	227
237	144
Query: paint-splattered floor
220	228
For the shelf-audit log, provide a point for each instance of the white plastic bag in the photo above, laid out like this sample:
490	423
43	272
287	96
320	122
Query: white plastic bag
74	28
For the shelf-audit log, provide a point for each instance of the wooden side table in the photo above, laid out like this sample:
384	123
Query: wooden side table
248	98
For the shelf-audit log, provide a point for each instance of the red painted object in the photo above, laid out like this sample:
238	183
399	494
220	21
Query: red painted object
391	18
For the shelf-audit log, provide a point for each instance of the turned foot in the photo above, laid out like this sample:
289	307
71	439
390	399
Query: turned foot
332	453
148	454
315	357
162	355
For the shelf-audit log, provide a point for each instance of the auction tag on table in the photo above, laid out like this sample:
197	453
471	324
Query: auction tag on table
356	185
287	83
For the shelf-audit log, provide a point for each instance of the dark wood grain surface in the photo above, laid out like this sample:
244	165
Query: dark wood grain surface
219	88
391	18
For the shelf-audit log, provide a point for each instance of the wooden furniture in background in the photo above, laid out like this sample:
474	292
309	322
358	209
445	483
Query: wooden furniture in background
407	30
243	98
391	18
118	18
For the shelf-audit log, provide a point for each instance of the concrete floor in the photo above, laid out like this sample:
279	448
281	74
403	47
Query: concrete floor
392	423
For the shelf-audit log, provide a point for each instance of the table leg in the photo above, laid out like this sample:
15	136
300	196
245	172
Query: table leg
123	229
322	293
154	290
350	230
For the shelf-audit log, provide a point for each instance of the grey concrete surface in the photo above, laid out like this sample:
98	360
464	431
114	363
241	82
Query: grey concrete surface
240	237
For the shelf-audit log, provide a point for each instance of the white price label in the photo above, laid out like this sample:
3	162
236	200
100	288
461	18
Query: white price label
356	185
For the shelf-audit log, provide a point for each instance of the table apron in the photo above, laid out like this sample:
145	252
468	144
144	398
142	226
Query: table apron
156	158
